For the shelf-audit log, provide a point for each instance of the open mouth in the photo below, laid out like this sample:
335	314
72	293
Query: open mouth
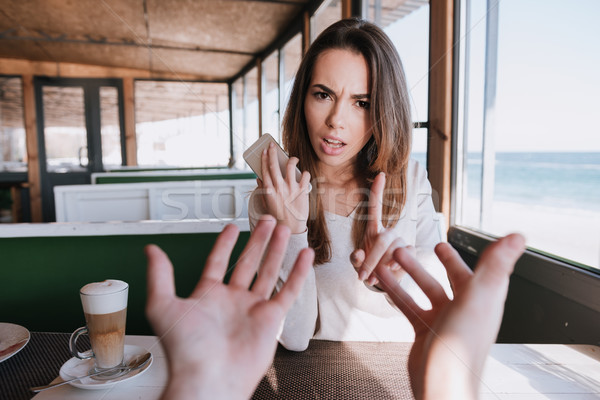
335	144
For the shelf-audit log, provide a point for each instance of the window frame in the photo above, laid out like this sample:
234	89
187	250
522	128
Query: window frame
551	271
10	177
229	88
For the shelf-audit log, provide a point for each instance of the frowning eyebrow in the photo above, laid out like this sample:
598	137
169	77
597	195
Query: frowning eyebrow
331	92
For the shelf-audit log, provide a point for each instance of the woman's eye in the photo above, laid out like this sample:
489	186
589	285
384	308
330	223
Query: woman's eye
363	104
322	95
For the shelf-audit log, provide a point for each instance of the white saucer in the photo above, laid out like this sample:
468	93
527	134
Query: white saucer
76	367
12	339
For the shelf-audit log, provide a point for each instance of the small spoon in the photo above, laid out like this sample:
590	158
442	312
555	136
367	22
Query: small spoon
132	365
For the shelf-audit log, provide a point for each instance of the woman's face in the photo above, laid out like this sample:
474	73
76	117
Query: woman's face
336	107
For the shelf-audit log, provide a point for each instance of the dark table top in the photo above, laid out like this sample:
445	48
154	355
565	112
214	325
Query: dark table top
36	364
326	370
339	370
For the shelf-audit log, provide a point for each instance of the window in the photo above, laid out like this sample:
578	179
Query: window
329	12
250	109
291	56
110	129
270	94
529	143
237	101
182	124
65	132
13	152
407	25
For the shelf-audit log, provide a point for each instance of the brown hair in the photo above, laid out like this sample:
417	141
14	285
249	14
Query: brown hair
388	149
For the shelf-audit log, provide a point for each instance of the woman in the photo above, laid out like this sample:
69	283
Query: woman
348	126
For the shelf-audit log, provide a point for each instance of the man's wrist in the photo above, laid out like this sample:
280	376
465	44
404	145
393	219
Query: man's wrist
201	385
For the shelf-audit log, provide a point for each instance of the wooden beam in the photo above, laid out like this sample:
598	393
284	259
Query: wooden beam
16	209
441	24
31	141
306	33
259	94
10	66
129	121
346	9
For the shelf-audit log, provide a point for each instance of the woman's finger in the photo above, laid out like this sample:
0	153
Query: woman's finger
376	252
264	165
357	258
290	176
274	168
305	180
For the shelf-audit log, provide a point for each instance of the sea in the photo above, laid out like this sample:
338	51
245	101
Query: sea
553	179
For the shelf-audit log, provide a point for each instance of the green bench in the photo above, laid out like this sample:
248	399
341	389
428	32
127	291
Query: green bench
128	176
42	275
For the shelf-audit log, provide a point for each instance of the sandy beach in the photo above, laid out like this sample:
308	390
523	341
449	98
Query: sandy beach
568	233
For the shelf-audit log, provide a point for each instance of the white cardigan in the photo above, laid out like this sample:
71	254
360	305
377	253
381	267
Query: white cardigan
333	303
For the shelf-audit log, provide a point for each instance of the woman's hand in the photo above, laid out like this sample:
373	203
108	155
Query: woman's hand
380	243
285	199
453	338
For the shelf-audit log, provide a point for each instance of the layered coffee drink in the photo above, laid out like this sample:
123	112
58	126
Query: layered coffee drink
105	309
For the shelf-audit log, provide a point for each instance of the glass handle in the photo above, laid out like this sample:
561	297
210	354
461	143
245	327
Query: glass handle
73	341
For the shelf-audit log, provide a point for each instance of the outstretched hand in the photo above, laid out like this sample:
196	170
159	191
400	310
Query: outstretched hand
221	340
452	340
379	243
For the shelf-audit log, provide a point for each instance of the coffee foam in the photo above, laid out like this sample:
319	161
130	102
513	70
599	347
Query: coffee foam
104	297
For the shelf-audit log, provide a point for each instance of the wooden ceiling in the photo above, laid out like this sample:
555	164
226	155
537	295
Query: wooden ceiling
210	39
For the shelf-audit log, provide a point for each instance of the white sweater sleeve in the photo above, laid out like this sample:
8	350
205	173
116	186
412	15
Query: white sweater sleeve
300	322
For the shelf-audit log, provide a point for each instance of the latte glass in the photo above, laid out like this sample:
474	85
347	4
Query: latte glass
105	308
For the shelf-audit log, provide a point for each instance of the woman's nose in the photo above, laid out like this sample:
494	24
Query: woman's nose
336	118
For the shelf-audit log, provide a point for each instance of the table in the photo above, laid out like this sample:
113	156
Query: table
329	370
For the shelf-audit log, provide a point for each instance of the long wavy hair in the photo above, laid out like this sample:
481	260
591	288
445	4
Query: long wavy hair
388	149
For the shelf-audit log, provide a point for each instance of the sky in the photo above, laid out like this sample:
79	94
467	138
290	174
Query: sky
548	87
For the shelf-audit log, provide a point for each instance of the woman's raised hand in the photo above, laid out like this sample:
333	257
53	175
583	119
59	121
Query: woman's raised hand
380	243
284	198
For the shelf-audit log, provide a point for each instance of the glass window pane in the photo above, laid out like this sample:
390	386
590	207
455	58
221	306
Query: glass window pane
237	92
328	13
419	146
250	108
531	144
270	104
291	55
13	151
407	24
65	134
182	124
110	127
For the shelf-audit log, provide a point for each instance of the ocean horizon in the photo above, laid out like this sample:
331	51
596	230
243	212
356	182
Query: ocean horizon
554	179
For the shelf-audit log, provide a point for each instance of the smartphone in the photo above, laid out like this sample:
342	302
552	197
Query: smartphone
253	156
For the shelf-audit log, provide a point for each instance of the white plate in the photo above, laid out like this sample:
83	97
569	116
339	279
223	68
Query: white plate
76	367
12	339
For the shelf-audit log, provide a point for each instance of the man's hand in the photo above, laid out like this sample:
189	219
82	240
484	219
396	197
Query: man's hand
452	340
221	340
